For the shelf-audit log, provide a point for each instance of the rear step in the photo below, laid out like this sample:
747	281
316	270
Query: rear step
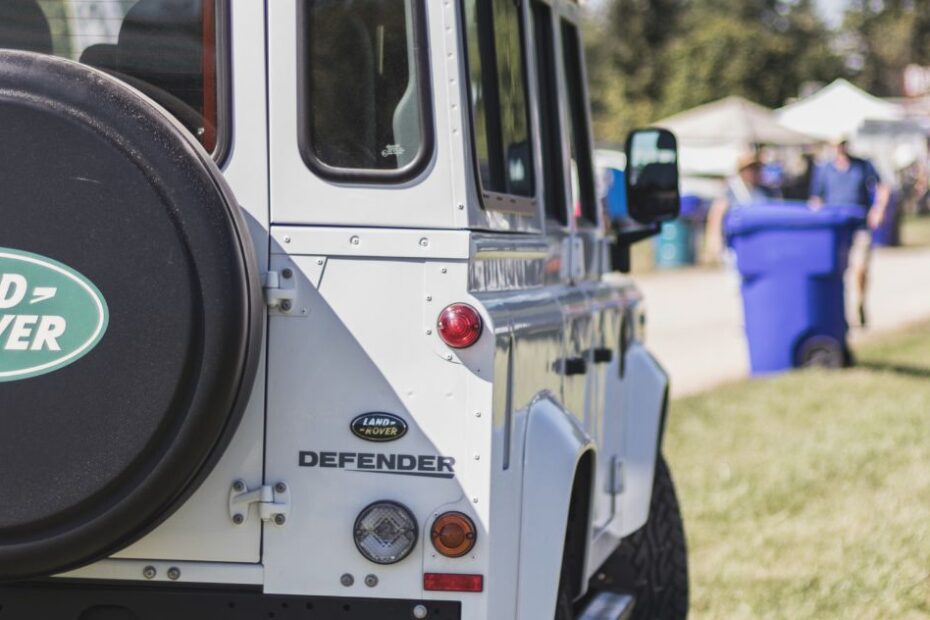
609	606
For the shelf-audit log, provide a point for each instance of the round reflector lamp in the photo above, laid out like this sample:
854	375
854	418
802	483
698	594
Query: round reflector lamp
460	326
385	532
453	534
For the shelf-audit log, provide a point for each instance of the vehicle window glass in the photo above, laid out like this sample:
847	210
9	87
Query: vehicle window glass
550	126
363	99
500	104
164	48
584	196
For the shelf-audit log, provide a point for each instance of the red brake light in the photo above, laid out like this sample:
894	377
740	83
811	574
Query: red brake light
459	326
446	582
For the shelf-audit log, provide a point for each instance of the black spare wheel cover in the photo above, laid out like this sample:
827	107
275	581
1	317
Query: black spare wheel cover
130	315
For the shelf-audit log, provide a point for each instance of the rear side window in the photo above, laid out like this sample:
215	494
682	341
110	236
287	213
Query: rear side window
553	181
584	193
499	100
364	91
164	48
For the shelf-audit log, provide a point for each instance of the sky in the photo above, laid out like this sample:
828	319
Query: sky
832	10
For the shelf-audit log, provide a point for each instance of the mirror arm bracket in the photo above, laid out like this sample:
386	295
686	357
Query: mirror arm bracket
624	240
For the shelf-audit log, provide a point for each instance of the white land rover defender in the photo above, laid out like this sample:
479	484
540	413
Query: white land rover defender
306	312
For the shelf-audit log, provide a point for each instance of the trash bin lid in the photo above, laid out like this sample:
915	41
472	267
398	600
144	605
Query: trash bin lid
130	315
780	216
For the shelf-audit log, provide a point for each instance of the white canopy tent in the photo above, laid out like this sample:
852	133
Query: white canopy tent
838	110
711	137
877	129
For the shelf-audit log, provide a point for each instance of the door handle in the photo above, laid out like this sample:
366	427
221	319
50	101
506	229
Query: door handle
571	366
602	355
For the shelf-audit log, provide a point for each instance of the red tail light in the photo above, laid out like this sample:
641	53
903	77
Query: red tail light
446	582
460	326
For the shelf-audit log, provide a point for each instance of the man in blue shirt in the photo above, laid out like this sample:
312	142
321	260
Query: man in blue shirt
848	180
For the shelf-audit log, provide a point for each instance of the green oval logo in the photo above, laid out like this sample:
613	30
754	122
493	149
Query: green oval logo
50	315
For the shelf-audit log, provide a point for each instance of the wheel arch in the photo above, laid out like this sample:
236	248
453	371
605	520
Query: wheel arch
558	454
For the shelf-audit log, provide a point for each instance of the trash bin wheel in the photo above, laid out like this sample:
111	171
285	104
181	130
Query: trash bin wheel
822	352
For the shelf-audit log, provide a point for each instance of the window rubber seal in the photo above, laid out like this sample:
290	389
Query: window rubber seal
223	77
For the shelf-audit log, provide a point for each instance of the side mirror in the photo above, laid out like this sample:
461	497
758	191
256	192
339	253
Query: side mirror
652	176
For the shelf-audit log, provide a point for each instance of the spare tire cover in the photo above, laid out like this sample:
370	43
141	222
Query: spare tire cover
130	315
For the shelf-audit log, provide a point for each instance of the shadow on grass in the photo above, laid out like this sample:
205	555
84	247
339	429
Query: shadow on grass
899	369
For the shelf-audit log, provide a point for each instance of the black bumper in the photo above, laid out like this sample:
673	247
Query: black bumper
107	601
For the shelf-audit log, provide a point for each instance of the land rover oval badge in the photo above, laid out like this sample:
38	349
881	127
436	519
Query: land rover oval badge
379	427
50	315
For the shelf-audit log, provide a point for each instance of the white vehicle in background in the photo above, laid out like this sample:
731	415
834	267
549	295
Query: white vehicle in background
307	311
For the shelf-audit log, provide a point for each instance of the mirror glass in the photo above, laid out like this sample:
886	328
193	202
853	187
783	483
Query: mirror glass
652	176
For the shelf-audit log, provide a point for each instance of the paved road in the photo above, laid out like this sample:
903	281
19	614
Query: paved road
696	316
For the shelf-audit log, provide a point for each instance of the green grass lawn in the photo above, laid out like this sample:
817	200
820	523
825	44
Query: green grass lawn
808	495
915	231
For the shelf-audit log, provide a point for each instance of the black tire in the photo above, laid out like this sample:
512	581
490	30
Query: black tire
652	564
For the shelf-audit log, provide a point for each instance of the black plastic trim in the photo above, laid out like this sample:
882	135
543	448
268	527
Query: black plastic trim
602	355
571	366
424	83
60	600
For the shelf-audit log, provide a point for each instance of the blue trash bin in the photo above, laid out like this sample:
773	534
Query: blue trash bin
792	263
889	233
616	195
676	244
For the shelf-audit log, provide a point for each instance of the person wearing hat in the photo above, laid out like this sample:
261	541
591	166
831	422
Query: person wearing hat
848	180
744	189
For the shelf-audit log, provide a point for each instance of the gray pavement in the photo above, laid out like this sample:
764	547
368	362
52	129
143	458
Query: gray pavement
696	316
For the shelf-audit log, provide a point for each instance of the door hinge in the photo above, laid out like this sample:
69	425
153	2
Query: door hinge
280	290
272	501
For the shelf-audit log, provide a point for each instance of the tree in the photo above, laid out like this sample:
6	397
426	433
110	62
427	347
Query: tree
626	44
762	50
884	36
652	58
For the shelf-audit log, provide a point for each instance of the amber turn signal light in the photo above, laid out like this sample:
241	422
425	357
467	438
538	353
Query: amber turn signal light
453	534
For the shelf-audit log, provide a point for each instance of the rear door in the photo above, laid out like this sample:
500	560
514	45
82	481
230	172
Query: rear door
180	55
203	530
